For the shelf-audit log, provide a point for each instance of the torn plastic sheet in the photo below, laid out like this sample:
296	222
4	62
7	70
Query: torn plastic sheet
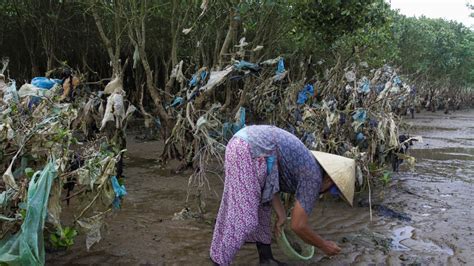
379	87
359	118
92	226
360	115
244	65
364	87
31	90
216	78
270	62
8	177
114	110
397	81
11	94
178	101
229	129
177	72
350	76
6	132
114	86
5	197
136	57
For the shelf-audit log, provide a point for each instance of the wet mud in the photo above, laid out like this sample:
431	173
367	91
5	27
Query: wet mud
436	196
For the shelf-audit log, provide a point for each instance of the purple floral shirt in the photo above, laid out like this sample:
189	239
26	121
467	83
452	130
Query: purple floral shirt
291	166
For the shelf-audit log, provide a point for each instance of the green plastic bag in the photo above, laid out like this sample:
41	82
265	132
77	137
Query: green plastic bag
27	246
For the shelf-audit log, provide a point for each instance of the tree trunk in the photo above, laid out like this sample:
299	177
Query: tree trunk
228	37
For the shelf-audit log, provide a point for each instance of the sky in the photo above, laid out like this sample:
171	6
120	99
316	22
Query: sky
447	9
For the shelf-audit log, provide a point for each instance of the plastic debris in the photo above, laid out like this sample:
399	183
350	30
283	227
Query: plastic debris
244	65
10	94
119	190
229	129
92	226
136	57
26	246
44	83
365	86
178	101
305	93
350	76
216	78
280	72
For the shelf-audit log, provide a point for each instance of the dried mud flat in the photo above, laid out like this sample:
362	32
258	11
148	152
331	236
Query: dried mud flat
434	200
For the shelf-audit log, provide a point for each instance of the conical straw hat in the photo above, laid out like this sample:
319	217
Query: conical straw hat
341	170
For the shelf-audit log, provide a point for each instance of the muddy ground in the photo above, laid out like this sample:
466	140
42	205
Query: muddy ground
422	217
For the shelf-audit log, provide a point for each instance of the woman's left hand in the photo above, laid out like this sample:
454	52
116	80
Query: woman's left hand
279	223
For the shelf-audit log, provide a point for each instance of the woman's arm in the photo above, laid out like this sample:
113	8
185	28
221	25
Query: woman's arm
299	224
280	211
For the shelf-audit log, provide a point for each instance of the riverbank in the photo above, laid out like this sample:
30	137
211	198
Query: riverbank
436	199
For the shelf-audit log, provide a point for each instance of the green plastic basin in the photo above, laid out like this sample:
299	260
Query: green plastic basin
293	246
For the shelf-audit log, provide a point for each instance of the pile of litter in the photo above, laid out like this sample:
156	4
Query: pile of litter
46	165
352	111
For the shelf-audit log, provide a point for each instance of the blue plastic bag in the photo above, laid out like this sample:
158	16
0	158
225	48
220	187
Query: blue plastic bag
177	102
203	75
281	66
44	83
305	93
397	81
119	190
365	87
229	129
379	87
360	115
244	65
197	77
360	137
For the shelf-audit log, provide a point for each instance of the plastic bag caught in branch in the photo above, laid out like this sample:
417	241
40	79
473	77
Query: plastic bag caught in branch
187	31
11	94
119	190
216	78
115	85
114	111
92	226
54	206
204	5
177	72
8	178
136	57
26	247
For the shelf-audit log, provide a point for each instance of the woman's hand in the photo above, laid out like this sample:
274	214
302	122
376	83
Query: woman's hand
281	214
279	223
330	248
299	224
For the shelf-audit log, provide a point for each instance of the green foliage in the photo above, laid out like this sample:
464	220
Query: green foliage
29	172
440	50
63	237
35	32
333	19
386	177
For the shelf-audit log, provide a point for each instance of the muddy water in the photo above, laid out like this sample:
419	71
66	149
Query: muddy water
436	198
